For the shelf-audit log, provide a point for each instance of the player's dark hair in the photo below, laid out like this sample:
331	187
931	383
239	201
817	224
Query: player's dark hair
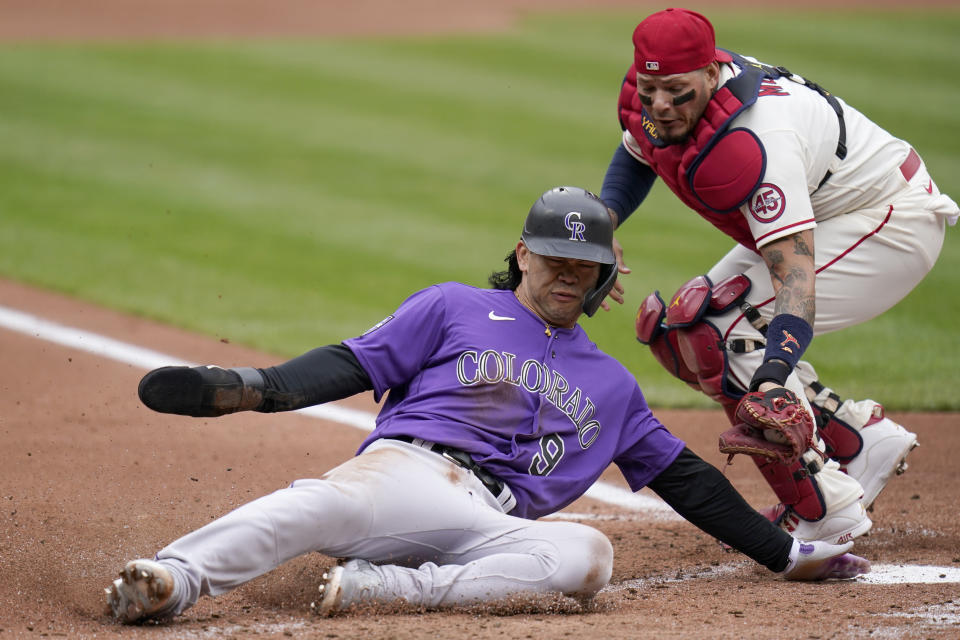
509	279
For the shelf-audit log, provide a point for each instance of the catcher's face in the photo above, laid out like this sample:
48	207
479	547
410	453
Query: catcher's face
554	288
676	102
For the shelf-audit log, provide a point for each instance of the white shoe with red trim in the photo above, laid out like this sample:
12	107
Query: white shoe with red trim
836	527
884	455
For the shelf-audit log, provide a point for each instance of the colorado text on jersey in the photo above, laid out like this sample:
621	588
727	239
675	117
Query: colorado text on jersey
491	367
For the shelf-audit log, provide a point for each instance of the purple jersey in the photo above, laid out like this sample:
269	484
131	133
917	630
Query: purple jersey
476	370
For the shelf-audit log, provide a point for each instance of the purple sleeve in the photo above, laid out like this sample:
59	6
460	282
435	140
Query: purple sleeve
394	350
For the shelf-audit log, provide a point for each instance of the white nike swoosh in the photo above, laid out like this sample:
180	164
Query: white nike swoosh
494	316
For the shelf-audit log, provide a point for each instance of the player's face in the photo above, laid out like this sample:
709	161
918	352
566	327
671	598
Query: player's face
554	288
676	102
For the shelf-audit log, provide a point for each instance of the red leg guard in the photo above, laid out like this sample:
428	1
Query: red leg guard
794	486
687	345
667	352
843	441
662	341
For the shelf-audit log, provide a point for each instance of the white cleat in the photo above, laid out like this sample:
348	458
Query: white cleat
885	448
822	561
838	527
344	585
329	592
142	591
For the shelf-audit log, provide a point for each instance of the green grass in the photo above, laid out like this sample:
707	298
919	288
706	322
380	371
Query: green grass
290	194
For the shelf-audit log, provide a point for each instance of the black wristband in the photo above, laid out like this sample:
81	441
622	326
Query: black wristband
251	393
770	371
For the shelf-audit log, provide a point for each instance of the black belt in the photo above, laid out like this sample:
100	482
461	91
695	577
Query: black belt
497	487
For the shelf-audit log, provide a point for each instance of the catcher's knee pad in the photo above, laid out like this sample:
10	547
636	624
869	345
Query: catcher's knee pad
795	484
662	340
685	342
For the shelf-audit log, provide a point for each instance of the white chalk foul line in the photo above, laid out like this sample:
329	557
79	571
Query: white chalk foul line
147	359
910	574
879	574
98	345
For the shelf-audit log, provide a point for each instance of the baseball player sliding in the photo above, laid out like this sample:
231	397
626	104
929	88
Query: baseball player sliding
500	410
835	221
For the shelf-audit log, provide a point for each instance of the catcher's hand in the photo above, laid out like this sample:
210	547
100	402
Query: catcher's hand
616	294
201	391
773	424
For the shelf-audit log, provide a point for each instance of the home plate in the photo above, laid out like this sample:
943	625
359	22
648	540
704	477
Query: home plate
909	574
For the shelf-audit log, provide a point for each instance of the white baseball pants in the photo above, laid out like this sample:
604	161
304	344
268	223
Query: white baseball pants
443	537
866	261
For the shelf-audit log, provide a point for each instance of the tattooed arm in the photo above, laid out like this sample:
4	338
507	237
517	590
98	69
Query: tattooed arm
790	261
791	266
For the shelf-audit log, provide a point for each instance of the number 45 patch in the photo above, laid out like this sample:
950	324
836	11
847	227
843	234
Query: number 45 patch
551	452
768	202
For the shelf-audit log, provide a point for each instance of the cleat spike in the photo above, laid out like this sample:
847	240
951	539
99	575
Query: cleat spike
144	590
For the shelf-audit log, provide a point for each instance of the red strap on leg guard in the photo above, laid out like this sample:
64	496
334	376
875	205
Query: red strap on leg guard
794	486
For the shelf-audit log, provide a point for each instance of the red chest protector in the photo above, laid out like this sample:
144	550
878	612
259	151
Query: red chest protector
716	169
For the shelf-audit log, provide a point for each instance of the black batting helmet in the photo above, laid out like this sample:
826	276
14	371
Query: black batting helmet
570	222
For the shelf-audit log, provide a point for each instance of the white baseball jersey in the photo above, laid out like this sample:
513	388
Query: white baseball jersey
799	132
878	219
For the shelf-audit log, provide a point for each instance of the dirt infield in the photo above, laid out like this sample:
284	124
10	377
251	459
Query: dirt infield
91	478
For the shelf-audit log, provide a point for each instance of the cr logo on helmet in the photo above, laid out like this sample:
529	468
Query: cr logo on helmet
575	226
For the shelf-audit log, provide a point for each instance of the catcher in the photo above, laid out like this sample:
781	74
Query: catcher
500	411
834	219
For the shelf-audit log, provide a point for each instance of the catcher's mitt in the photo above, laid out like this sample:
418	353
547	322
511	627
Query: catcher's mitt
773	425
